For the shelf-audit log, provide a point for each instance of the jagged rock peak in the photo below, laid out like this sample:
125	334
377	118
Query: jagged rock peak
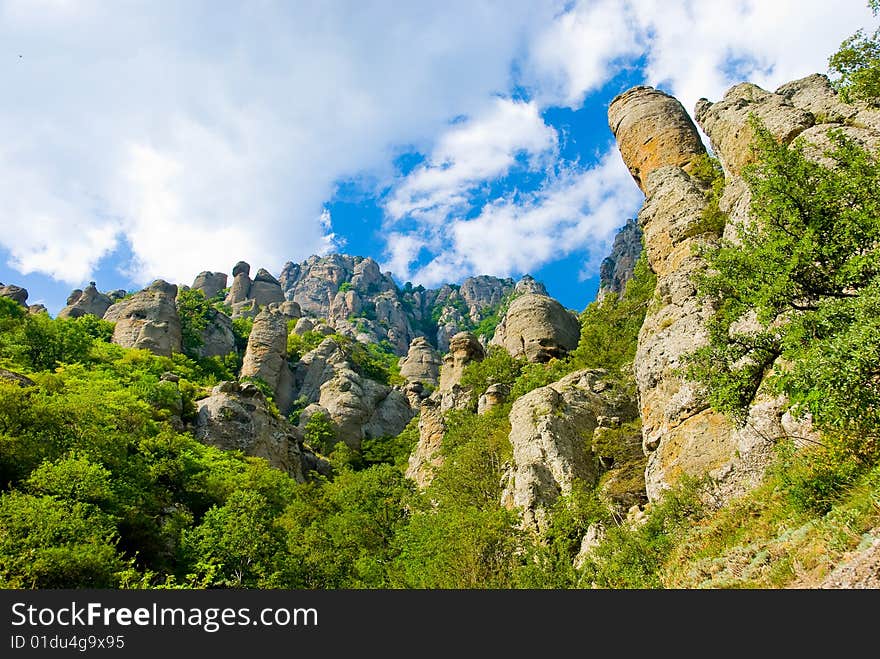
528	284
617	267
86	301
653	130
16	293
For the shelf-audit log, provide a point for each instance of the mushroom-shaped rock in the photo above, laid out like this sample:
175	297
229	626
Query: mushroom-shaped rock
653	130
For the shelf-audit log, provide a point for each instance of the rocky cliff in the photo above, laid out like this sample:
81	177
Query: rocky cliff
681	435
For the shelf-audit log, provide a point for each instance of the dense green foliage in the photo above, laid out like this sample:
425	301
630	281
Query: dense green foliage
807	271
855	67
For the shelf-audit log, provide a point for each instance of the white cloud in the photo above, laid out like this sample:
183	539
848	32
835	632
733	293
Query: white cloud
578	210
574	54
475	150
212	136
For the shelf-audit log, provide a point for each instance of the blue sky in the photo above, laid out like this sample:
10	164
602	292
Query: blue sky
144	140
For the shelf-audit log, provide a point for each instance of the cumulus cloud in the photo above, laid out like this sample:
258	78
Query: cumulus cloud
473	151
202	135
198	135
576	210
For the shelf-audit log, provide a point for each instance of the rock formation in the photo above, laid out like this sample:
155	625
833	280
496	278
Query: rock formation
681	435
652	130
148	320
209	283
265	289
538	328
218	338
86	301
617	268
463	349
236	417
325	379
422	363
15	293
551	430
266	356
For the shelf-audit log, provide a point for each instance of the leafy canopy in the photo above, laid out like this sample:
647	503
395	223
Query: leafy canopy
797	295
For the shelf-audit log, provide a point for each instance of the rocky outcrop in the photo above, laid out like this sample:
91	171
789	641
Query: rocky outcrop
148	320
652	130
681	435
426	457
15	293
209	283
236	417
218	339
495	395
240	289
528	284
538	328
617	268
422	363
359	407
265	289
266	356
463	349
86	301
551	430
460	307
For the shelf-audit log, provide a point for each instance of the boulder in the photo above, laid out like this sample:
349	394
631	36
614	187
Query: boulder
15	293
87	301
265	289
422	363
218	339
538	328
653	130
148	320
528	284
236	417
209	283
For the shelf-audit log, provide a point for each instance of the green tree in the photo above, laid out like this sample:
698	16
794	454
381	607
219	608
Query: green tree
855	67
806	271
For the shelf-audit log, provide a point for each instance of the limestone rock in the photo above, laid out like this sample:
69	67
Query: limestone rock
265	289
528	284
290	309
266	356
592	538
209	283
236	417
538	328
652	130
148	320
240	289
303	325
16	293
495	395
426	457
617	268
463	349
551	432
422	363
37	308
726	122
87	301
218	339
